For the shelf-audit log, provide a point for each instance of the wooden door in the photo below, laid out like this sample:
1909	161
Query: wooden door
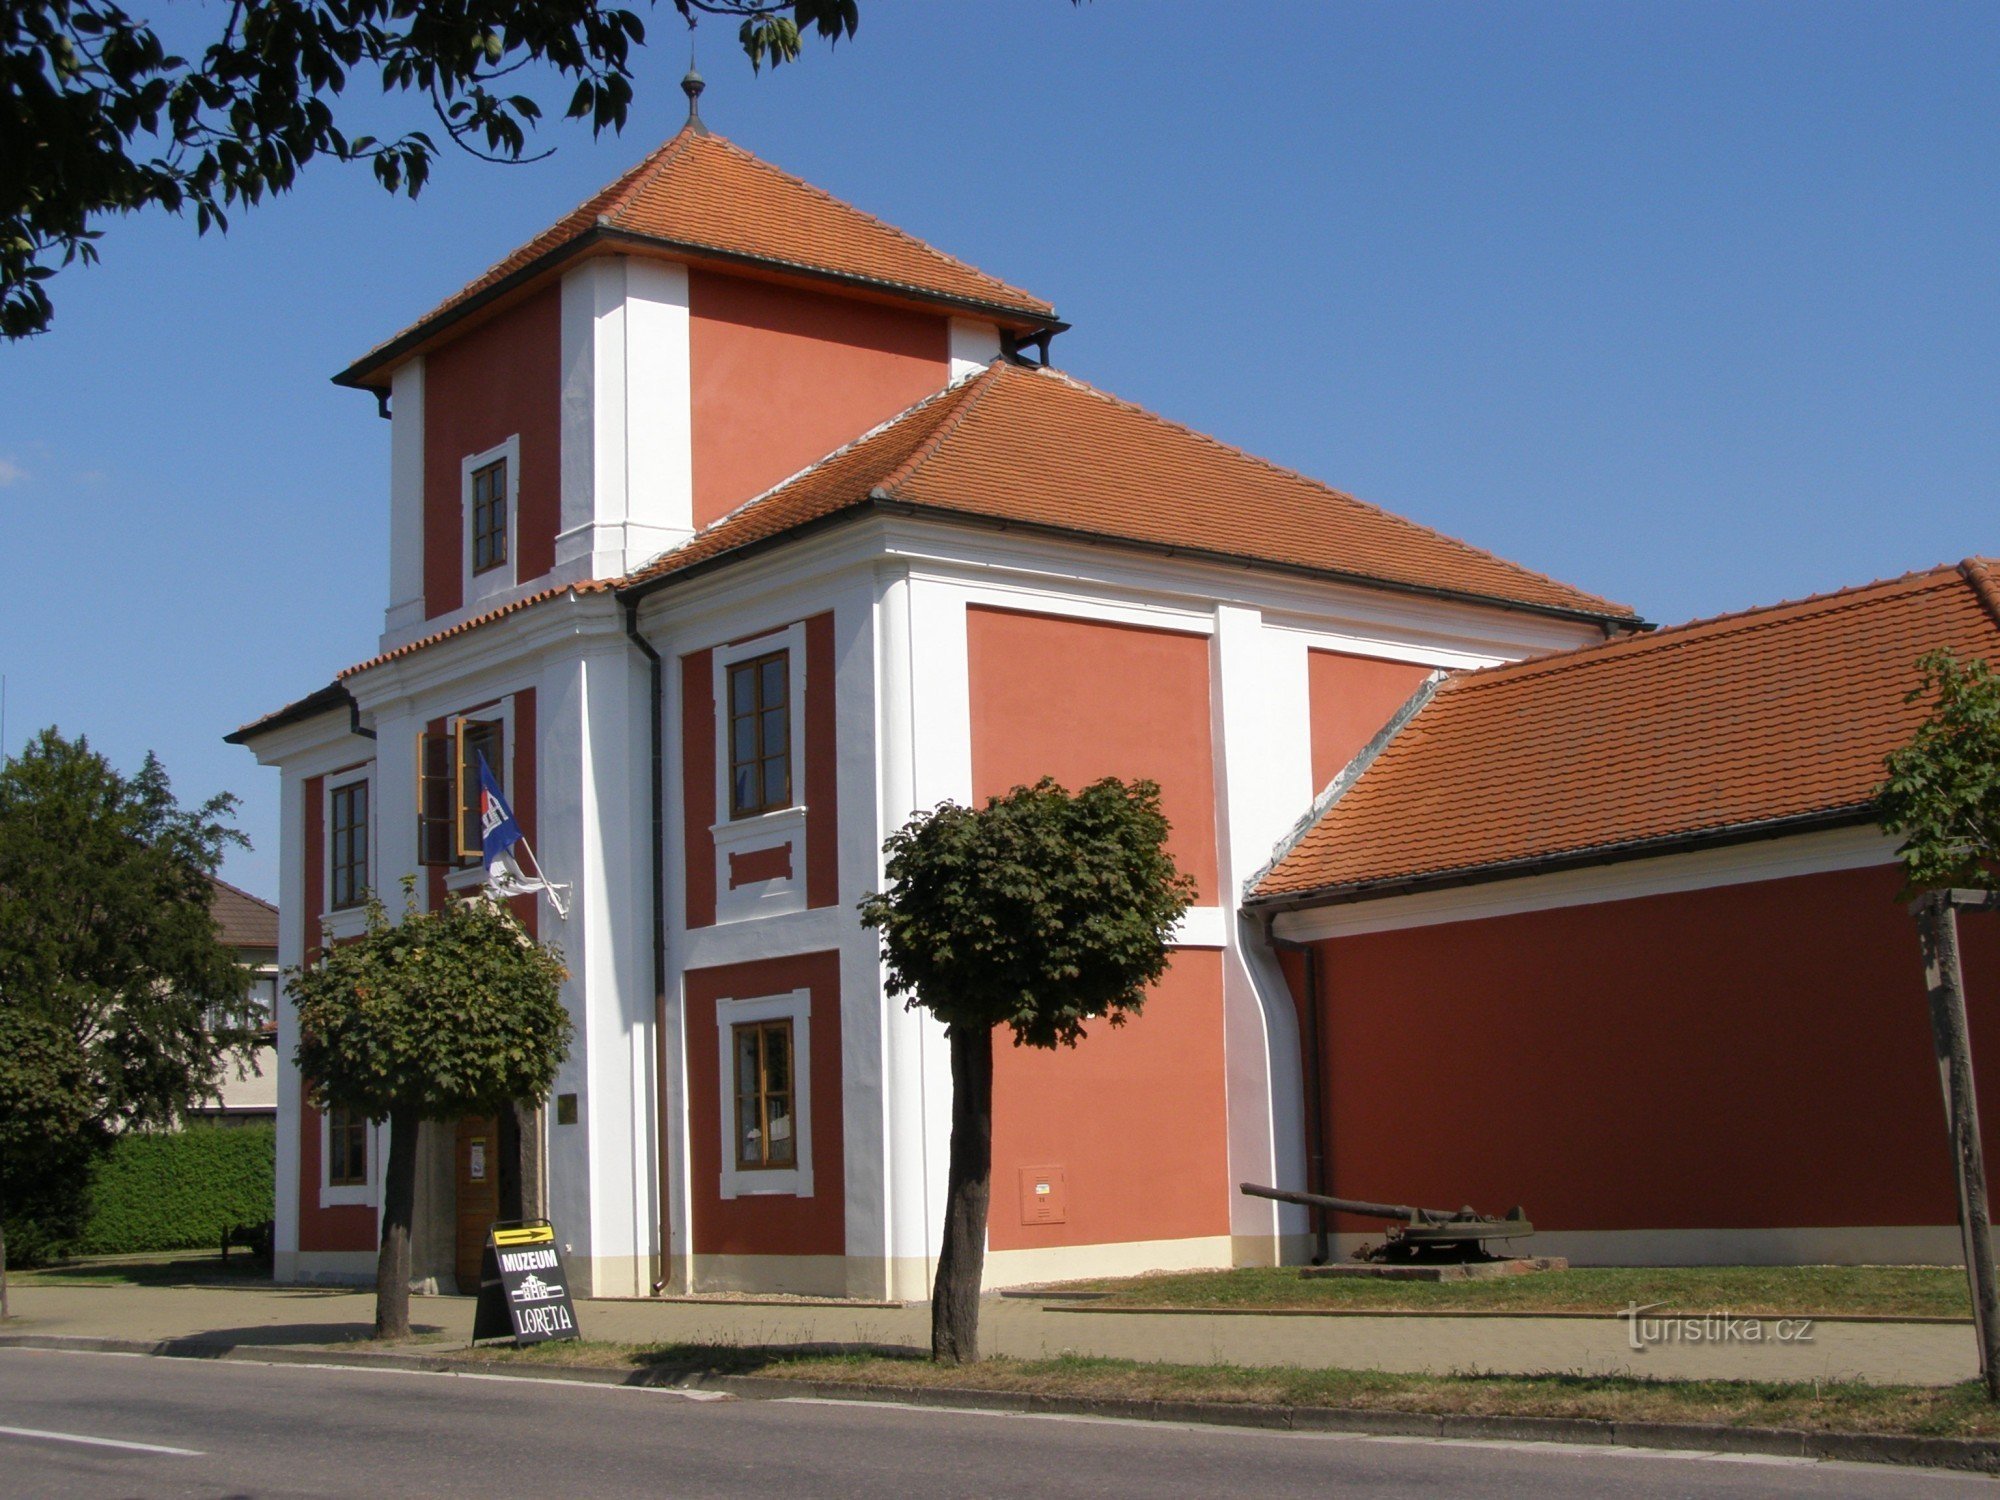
478	1170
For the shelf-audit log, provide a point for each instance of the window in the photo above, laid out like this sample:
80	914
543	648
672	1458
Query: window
346	1147
760	735
348	836
489	516
764	1135
448	829
256	1012
764	1108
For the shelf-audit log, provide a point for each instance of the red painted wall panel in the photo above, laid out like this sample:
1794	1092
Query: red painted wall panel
822	766
766	1224
348	1226
501	378
1079	700
1352	697
1135	1115
817	721
1750	1056
783	376
698	785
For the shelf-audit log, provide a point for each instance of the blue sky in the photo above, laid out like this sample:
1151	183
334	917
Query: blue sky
1691	304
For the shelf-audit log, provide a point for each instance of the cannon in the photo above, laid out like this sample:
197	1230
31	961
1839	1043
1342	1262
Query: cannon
1418	1236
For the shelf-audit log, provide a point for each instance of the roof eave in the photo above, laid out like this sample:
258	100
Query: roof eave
333	698
879	503
1578	859
366	373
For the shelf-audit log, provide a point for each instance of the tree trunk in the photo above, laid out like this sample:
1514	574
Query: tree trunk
962	1260
1937	928
3	1259
399	1195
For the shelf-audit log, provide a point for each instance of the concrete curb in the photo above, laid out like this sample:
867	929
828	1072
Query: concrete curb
1074	1303
1978	1455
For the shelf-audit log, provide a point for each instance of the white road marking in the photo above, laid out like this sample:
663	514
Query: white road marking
682	1393
98	1442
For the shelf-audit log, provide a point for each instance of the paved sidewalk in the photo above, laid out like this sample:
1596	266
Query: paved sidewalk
1885	1353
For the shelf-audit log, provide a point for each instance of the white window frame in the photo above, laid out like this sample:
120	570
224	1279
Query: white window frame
784	825
351	921
477	587
350	1195
751	1182
500	711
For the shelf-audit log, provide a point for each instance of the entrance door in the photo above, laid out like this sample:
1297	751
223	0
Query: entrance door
478	1158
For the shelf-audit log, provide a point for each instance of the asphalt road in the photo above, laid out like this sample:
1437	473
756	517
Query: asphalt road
108	1425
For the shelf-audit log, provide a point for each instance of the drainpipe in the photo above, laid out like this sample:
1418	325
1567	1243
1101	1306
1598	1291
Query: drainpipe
1313	1076
656	699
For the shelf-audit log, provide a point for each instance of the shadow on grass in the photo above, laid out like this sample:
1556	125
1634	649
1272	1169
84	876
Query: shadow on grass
171	1269
674	1363
214	1343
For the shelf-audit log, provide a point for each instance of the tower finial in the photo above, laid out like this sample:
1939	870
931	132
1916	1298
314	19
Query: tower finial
692	85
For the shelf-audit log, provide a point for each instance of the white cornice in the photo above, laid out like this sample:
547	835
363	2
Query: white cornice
502	647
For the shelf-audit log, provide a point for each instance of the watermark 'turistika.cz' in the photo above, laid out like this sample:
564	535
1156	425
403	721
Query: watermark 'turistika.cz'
1643	1332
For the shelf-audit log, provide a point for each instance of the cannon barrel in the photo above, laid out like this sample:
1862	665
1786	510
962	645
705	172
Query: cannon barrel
1358	1206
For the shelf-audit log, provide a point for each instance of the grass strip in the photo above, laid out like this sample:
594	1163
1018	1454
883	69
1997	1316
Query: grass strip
1768	1291
1847	1407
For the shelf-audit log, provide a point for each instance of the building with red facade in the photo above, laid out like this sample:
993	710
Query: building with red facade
732	525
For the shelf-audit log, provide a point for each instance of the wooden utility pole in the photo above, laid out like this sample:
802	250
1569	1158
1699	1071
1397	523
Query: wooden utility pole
1937	928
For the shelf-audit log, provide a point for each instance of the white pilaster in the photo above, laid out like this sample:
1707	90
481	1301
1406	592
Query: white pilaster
972	347
1263	764
627	416
591	755
926	739
864	1010
406	499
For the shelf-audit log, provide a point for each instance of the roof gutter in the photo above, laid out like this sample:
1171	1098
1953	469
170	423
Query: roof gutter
358	375
1551	864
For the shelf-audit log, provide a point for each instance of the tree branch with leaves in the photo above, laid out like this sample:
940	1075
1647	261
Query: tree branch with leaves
445	1014
98	117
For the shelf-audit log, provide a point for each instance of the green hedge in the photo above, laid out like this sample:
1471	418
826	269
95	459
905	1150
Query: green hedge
180	1190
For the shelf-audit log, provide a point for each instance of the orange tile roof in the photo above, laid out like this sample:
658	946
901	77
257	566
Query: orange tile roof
1034	448
1738	723
707	196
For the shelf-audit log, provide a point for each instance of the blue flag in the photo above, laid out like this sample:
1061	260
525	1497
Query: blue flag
498	832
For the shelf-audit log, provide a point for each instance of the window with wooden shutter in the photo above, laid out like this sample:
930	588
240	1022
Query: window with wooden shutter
448	831
437	799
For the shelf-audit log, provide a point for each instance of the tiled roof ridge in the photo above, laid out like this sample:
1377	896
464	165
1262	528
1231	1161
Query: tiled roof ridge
1978	571
620	191
651	566
1668	637
975	390
1612	608
1027	297
562	231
